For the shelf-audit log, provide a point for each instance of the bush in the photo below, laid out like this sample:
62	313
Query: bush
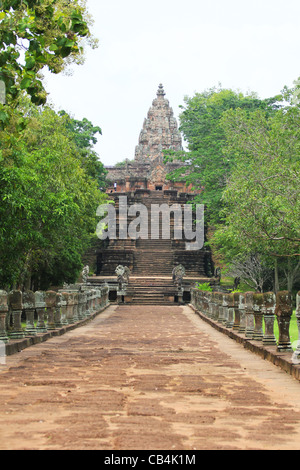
204	287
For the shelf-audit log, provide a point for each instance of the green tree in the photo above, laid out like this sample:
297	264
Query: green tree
35	34
84	134
205	165
48	203
262	198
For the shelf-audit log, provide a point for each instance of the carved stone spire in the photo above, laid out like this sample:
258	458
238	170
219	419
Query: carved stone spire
160	131
161	91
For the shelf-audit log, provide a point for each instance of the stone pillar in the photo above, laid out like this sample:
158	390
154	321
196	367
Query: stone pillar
58	311
16	307
204	302
220	308
193	297
180	296
225	308
29	307
70	308
76	306
237	316
269	317
40	306
101	299
88	303
230	306
84	302
51	307
258	301
197	302
249	315
94	301
242	309
3	314
296	355
64	302
215	306
210	313
80	306
284	311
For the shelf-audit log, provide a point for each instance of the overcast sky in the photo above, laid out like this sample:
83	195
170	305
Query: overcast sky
188	46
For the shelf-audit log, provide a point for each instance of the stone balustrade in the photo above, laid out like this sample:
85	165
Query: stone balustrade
44	312
252	315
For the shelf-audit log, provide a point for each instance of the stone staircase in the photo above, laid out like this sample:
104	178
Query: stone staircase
151	261
151	291
154	257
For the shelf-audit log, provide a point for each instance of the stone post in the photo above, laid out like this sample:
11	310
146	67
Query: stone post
58	311
258	301
101	297
237	316
220	308
94	301
230	307
64	302
88	303
29	307
3	314
51	308
197	300
16	307
82	305
269	317
180	296
215	306
210	305
76	306
40	306
249	315
97	300
70	308
296	355
284	311
225	308
242	309
205	303
193	297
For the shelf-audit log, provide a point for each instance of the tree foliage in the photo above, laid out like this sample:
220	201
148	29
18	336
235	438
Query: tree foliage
48	202
84	134
205	165
35	34
243	154
49	173
262	195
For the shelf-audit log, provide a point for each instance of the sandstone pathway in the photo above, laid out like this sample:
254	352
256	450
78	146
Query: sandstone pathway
146	378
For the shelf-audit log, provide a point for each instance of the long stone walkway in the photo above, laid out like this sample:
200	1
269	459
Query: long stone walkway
146	378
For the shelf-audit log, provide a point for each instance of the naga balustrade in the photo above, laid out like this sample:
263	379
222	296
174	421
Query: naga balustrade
47	311
252	315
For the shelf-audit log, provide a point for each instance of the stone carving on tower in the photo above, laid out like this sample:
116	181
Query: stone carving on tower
148	170
160	131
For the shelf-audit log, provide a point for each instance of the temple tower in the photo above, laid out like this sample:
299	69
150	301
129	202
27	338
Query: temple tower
148	170
160	131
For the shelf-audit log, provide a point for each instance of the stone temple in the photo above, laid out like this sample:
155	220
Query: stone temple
152	261
148	171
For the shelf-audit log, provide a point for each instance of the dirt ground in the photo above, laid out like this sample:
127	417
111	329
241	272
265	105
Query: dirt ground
146	378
